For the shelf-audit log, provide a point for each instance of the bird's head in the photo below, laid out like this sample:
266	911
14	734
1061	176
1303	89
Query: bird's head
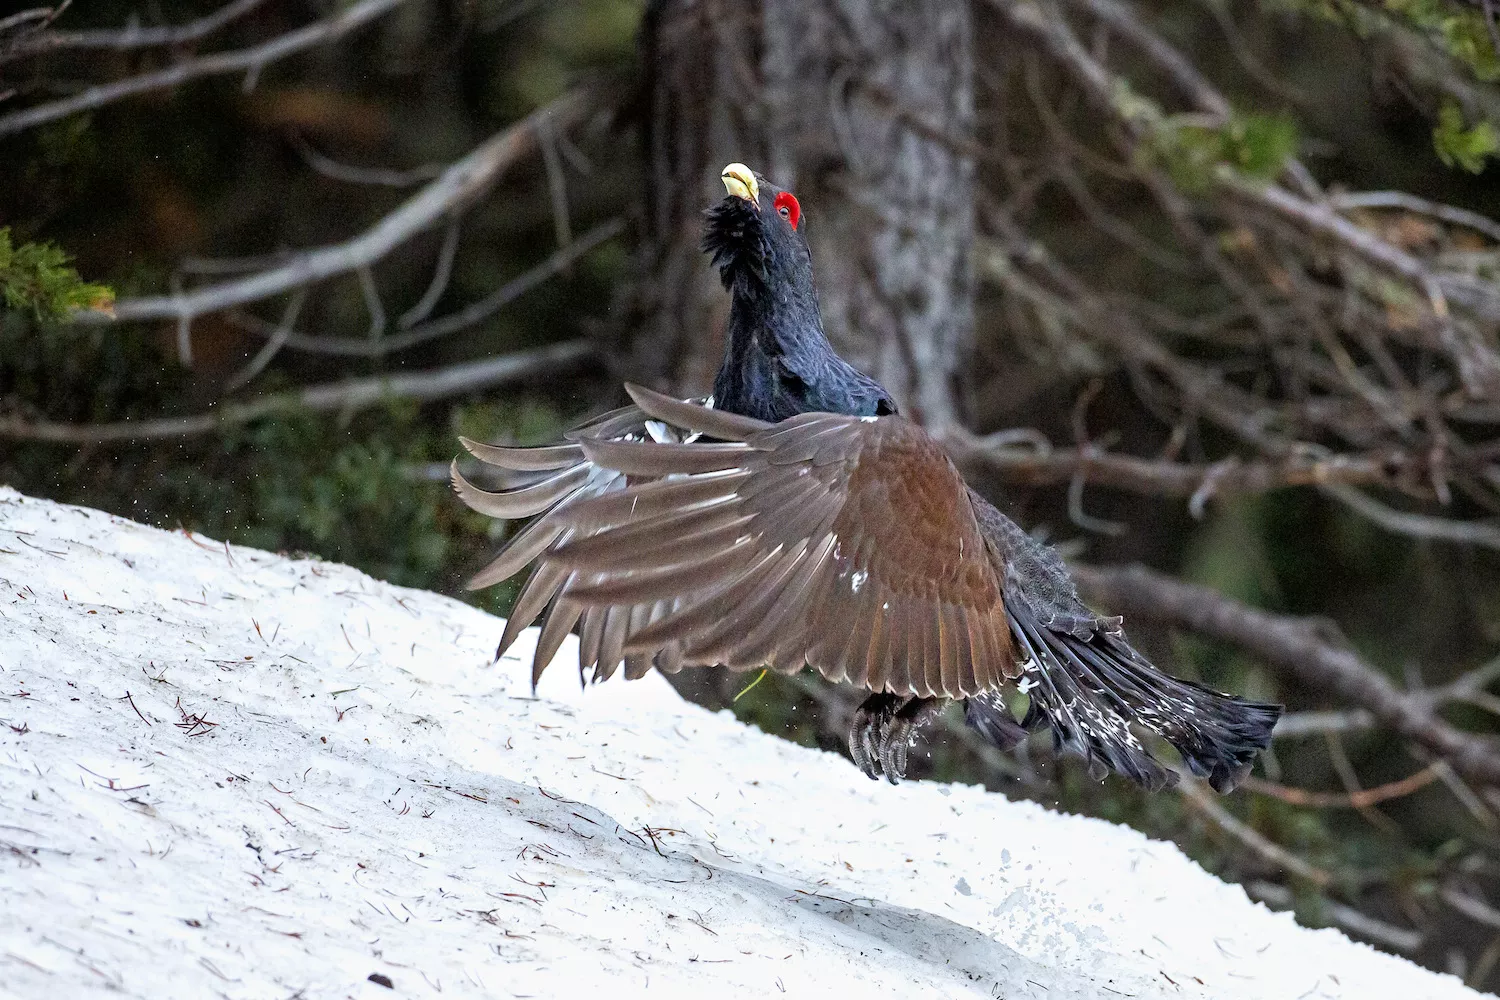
756	232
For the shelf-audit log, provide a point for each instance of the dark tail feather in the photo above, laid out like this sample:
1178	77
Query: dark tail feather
1088	691
988	713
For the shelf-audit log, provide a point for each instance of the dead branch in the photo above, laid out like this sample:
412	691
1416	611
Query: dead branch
1432	66
354	394
1468	688
1299	724
1354	408
1230	477
26	23
250	60
273	344
1421	206
132	36
441	274
380	176
1352	920
1293	647
454	322
1477	362
458	186
1204	801
1193	84
1402	522
1475	909
1361	799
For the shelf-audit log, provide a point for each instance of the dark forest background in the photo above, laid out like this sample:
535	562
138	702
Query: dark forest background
1206	292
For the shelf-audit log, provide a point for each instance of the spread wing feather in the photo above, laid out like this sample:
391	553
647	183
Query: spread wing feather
559	476
673	534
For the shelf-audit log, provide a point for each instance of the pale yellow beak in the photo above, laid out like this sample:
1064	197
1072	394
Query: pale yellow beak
740	182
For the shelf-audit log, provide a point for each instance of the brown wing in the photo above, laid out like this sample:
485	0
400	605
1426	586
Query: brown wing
543	482
849	544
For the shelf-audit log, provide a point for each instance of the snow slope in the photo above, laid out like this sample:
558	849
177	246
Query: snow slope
223	772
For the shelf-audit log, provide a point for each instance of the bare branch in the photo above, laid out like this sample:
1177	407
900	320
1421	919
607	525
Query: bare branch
271	347
373	306
133	36
1477	362
1298	724
1193	84
458	186
383	176
1296	648
1466	796
1433	66
1464	688
440	275
241	60
185	341
1475	909
1342	800
1484	533
354	394
1420	206
1194	793
1231	477
1347	917
1219	11
1478	365
44	14
557	187
454	322
1203	390
1360	401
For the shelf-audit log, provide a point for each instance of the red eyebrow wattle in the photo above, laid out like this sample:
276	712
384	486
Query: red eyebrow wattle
788	201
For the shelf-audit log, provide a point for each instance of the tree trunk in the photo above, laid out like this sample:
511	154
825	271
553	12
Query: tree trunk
861	108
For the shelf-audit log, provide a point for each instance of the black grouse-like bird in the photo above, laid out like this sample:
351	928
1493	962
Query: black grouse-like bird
794	518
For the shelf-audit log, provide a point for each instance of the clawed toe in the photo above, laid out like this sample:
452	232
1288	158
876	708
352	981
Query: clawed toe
883	731
894	744
867	730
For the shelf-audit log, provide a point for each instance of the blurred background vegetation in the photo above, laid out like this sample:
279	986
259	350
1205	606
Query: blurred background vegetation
1129	272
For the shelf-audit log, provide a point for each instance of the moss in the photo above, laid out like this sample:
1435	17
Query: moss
1194	153
1459	31
1460	146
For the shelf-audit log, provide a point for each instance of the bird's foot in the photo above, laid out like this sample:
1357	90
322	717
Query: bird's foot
883	730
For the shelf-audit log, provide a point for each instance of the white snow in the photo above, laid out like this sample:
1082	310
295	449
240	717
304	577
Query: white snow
375	797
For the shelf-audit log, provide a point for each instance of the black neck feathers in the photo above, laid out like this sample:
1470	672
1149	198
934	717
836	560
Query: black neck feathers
777	360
